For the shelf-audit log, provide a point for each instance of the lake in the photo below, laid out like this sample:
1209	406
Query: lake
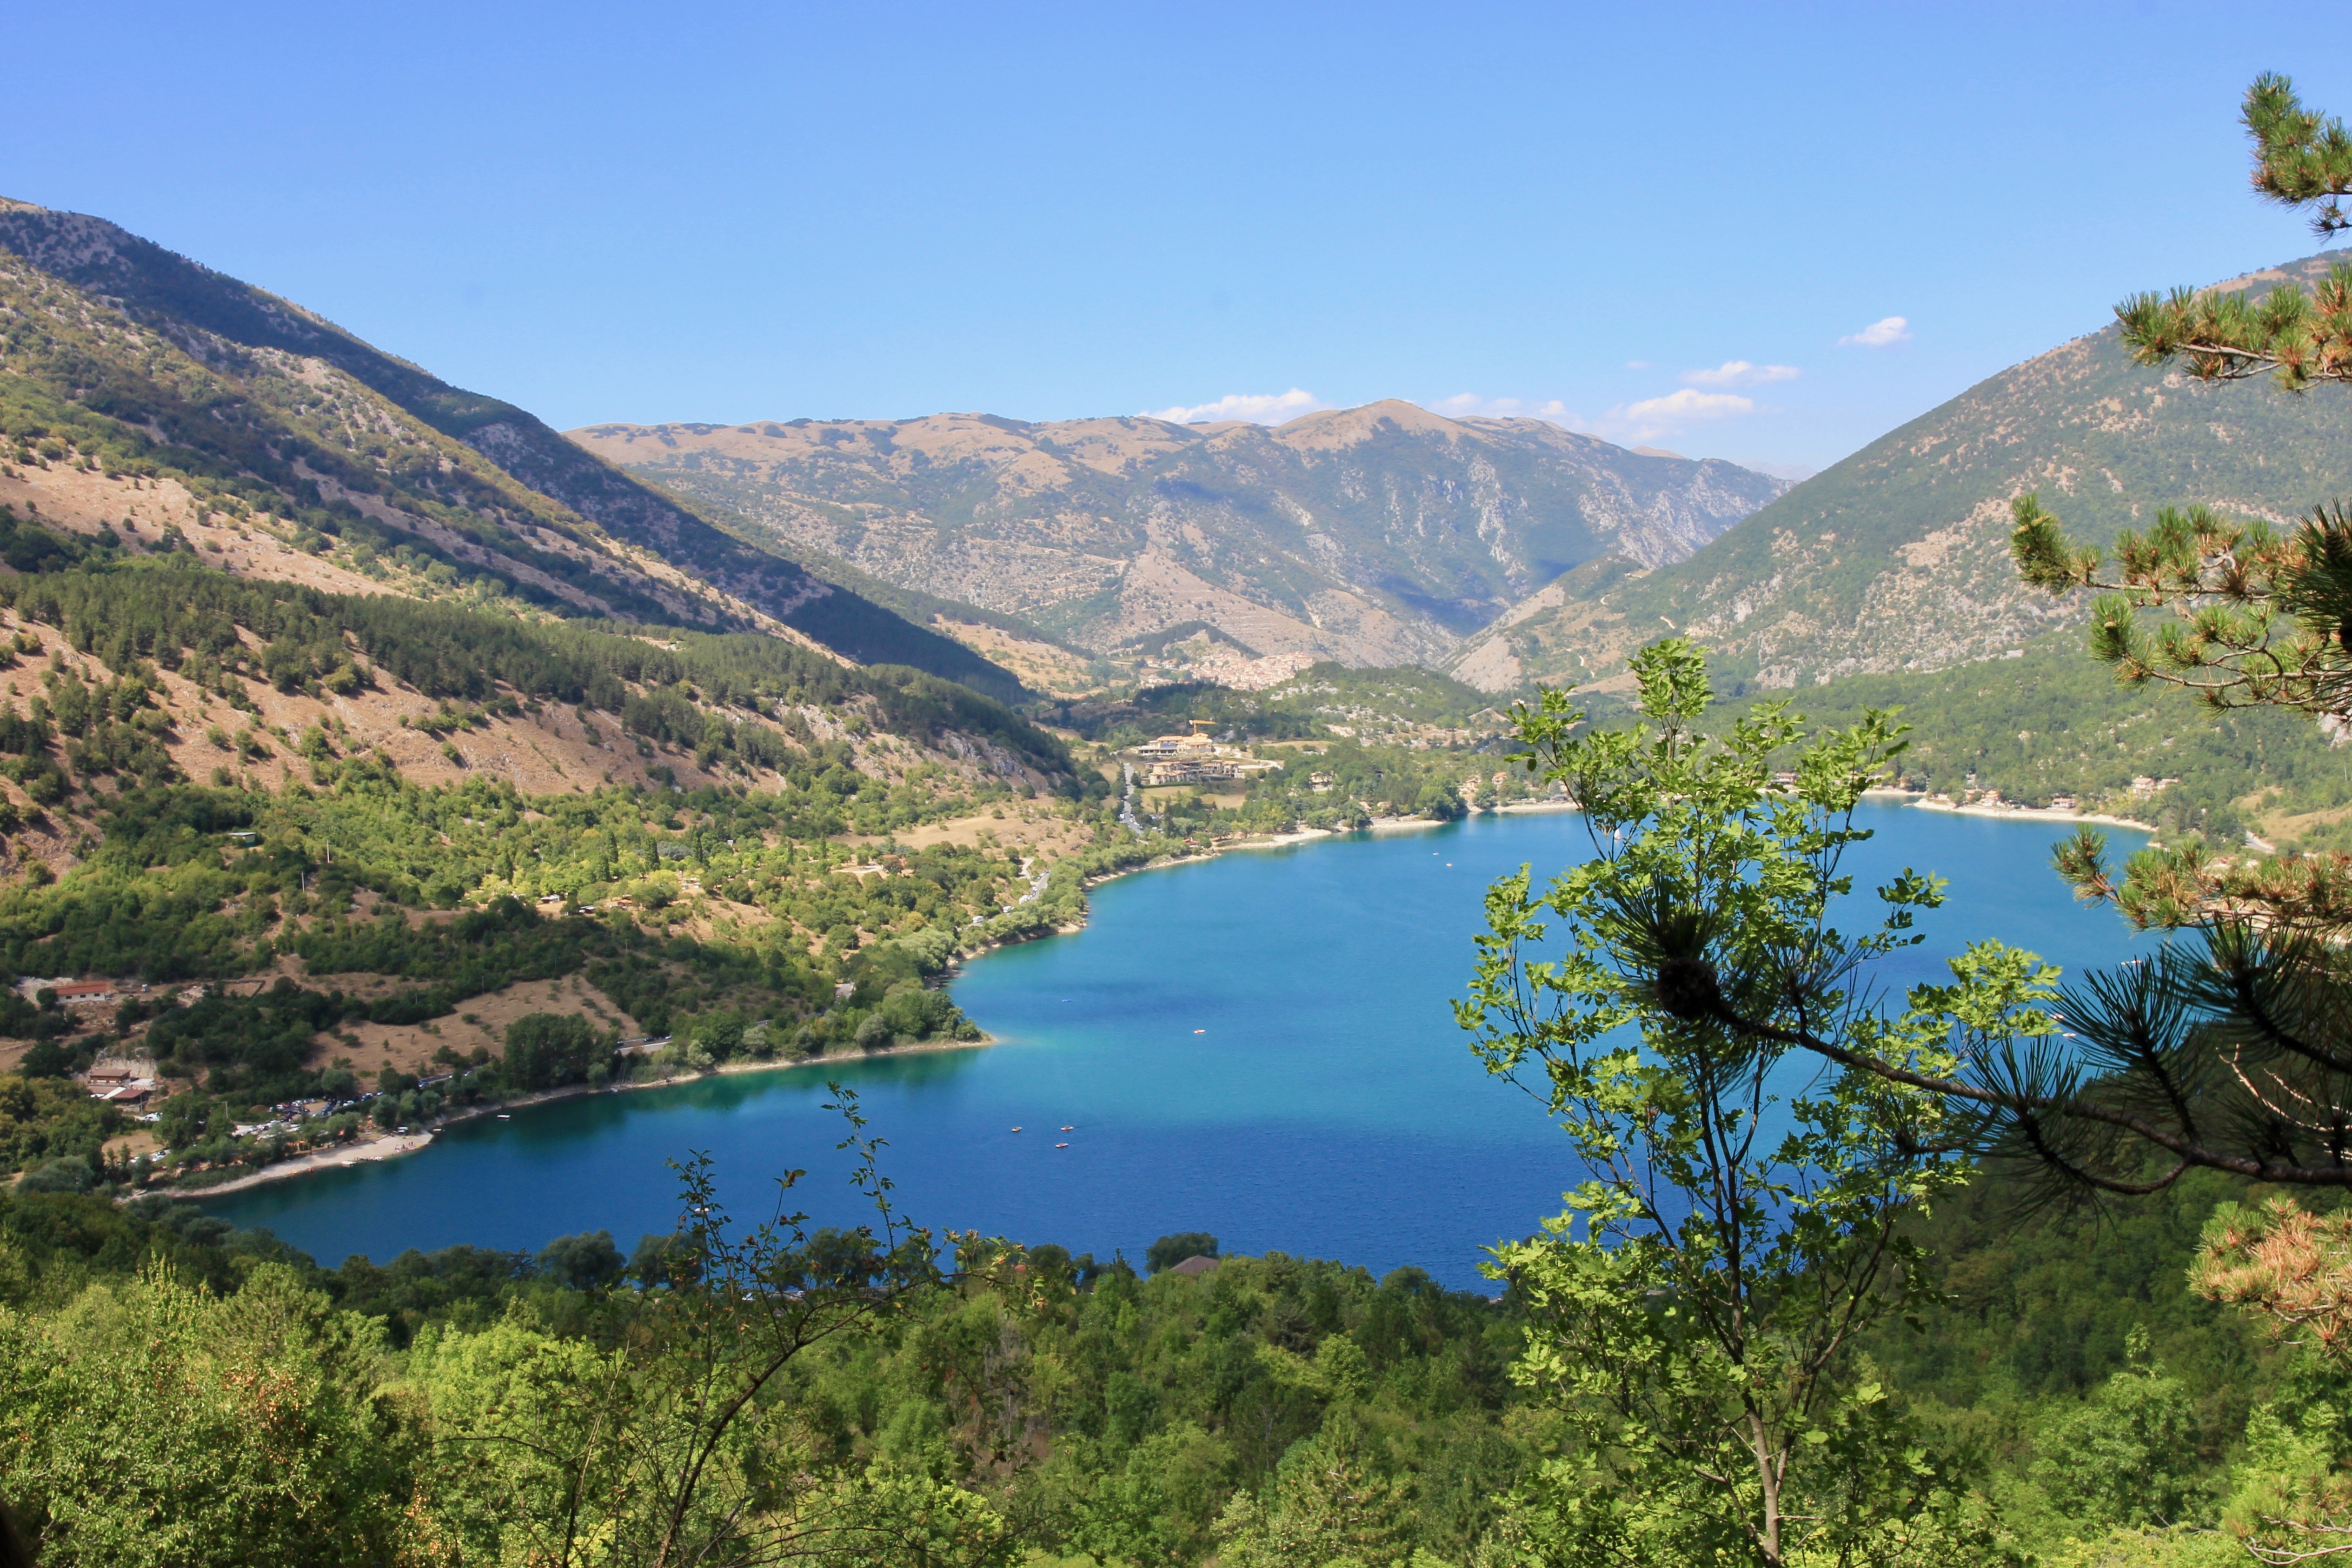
1257	1045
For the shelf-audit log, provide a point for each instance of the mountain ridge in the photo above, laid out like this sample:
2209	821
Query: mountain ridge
1895	558
214	320
1378	535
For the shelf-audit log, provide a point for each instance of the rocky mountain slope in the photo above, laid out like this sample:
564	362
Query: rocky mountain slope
1375	535
228	396
1897	557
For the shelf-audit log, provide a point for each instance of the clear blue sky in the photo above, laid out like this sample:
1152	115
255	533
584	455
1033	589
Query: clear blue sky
736	212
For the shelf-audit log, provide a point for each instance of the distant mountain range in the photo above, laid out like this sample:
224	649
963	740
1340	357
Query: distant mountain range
1896	559
1379	535
1500	551
234	387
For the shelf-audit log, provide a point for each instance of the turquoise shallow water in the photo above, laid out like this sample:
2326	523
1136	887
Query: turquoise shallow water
1257	1045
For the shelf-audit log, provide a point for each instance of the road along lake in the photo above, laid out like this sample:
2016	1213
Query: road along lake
1258	1046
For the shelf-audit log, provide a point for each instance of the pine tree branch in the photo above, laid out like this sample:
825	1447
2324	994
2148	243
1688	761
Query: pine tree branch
2189	1151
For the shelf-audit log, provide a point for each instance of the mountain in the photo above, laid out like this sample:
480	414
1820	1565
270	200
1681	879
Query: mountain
229	391
1897	557
1377	535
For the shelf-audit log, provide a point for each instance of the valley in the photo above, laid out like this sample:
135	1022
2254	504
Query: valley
387	780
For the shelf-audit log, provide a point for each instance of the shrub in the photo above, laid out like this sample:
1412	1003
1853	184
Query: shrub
46	1059
57	1177
588	1261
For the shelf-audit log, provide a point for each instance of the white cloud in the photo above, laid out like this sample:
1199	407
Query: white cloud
1637	365
1740	373
1260	408
1627	424
1886	333
1687	405
1657	418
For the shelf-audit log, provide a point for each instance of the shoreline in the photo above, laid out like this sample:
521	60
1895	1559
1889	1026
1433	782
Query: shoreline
1280	841
393	1145
390	1147
2012	812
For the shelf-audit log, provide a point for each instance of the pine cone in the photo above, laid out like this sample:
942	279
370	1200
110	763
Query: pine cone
1687	988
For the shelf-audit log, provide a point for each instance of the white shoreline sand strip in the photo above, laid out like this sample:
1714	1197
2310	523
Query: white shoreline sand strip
318	1160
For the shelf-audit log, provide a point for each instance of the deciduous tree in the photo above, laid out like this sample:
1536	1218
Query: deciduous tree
1695	1308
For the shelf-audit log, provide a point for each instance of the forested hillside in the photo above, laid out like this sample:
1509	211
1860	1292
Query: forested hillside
1402	705
385	817
1036	1407
2051	723
1897	557
138	387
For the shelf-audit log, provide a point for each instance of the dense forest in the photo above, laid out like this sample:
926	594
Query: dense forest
1020	1404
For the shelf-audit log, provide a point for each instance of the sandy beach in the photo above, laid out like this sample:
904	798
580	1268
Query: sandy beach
2012	812
359	1153
1280	840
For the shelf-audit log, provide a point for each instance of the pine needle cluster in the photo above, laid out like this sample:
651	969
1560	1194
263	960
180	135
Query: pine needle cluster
2300	158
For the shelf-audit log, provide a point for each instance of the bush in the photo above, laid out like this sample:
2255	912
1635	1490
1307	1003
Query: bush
915	1012
58	1176
44	1120
873	1033
663	1260
721	1035
46	1059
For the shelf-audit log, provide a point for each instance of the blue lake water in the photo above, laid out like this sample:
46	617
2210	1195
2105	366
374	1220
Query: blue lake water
1258	1046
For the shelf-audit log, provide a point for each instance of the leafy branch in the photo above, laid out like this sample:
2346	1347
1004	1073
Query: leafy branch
1741	1223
